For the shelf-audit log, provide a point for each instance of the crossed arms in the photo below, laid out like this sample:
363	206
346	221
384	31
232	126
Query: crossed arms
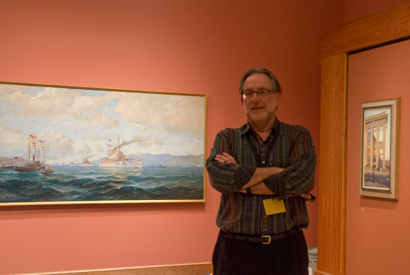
228	175
256	182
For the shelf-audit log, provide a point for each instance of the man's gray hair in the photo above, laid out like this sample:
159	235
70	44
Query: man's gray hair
255	70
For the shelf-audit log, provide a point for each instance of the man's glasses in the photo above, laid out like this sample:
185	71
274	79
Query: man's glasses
261	93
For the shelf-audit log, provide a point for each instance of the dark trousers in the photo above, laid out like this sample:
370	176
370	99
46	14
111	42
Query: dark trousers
286	256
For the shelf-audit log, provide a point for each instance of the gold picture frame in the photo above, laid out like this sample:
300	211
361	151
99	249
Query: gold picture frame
380	149
103	145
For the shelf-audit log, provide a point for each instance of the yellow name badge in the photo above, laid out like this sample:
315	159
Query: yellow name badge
273	206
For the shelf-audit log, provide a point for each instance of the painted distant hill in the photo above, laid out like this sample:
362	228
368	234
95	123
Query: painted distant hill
146	160
4	160
166	160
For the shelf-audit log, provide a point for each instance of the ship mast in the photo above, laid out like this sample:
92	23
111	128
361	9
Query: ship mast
29	149
34	154
38	151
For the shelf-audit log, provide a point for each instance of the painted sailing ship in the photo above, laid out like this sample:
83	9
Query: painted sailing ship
86	162
31	166
117	159
6	166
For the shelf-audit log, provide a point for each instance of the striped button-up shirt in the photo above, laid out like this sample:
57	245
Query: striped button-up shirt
289	147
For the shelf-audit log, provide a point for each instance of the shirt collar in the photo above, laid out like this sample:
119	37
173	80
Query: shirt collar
275	129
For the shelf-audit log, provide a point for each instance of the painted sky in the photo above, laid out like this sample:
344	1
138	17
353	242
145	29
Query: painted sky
74	122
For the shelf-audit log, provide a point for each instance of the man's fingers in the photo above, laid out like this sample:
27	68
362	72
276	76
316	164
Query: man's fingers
225	158
228	156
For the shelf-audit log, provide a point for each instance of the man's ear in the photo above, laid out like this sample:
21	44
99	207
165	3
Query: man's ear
279	97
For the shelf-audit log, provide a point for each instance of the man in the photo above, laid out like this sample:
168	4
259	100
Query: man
264	171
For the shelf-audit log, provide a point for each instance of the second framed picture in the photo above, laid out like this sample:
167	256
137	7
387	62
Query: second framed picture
380	149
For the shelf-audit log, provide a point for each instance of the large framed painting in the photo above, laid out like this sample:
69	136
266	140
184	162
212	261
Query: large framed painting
380	149
76	145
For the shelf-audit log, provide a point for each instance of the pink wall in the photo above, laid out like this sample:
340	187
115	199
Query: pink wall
376	241
356	9
377	229
172	46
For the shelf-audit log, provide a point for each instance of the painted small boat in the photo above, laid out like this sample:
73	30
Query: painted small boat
46	171
29	167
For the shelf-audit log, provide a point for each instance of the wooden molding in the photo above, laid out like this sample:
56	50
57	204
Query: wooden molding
372	31
332	170
184	269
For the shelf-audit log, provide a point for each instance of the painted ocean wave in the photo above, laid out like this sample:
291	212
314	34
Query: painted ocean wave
102	184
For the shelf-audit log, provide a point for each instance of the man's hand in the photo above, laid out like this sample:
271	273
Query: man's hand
262	173
225	158
259	189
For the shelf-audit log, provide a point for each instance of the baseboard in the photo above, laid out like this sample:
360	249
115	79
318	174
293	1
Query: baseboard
318	272
182	269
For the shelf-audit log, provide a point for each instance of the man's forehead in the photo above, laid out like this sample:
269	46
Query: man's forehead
257	79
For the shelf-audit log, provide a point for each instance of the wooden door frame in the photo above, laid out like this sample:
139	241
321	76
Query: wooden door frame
370	32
